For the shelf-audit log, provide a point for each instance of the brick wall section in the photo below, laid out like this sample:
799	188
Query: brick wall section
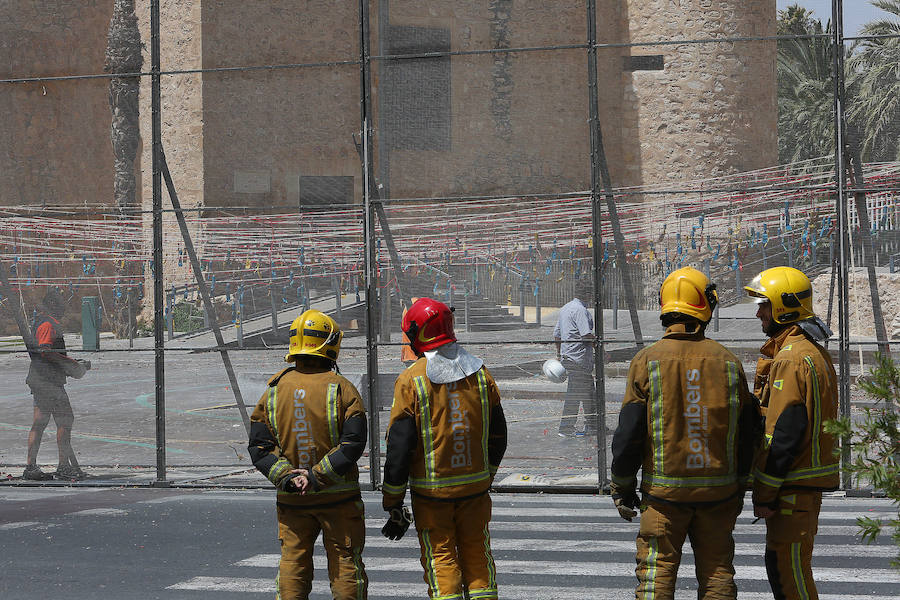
264	129
54	136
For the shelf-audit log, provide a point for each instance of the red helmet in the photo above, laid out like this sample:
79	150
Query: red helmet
428	324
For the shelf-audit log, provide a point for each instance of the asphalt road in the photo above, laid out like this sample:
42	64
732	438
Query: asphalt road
142	544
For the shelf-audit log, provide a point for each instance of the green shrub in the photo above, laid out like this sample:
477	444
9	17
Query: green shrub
187	317
875	441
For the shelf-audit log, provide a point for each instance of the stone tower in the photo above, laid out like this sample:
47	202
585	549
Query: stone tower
711	109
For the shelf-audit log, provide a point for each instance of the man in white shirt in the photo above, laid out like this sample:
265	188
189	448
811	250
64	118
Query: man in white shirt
574	335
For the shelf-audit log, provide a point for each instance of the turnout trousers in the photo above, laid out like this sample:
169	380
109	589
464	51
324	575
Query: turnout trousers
343	535
456	547
663	529
789	546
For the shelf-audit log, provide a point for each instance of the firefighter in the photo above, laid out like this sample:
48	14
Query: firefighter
445	440
306	434
797	387
689	422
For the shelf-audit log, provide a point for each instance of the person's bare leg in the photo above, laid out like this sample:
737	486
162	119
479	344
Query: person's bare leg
35	435
64	440
63	444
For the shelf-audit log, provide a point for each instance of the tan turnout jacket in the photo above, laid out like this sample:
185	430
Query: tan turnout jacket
688	420
447	428
798	373
302	414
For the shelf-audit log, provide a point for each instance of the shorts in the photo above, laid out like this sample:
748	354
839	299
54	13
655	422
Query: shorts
52	401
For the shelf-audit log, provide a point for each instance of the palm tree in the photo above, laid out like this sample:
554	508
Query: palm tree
874	78
805	88
123	55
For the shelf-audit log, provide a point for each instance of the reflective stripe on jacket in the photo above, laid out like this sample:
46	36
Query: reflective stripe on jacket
798	392
688	420
444	440
301	421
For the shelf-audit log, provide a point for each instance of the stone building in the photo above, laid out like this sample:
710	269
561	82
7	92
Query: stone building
475	122
54	135
468	124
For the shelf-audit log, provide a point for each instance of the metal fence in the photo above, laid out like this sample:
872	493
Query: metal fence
191	180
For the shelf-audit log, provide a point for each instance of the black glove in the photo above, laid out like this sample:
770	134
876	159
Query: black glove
398	522
287	485
626	500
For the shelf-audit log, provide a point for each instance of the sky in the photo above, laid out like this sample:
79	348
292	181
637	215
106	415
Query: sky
856	12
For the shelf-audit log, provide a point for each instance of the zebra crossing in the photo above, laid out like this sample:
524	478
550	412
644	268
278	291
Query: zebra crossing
562	547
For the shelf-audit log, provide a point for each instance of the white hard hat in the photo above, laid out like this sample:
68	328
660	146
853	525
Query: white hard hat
554	371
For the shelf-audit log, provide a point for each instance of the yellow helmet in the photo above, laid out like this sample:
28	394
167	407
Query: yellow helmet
787	289
314	334
688	291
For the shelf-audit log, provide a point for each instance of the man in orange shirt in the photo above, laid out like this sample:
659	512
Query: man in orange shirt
46	379
407	354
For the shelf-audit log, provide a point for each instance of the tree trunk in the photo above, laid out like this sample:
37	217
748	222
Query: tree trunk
123	55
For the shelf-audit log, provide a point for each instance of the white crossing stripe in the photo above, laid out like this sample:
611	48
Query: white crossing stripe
589	568
581	500
620	526
100	512
19	525
418	590
535	561
375	540
623	527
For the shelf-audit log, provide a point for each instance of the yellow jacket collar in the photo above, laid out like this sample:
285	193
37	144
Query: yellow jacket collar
774	344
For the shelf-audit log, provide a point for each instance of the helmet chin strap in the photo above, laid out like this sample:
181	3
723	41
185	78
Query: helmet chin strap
775	327
711	297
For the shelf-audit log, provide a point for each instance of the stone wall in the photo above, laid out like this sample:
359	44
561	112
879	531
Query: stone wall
264	129
519	120
181	97
516	123
711	111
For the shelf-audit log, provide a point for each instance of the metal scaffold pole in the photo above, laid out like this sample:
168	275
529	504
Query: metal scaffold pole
158	304
16	311
596	161
599	166
865	233
204	293
843	228
365	148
